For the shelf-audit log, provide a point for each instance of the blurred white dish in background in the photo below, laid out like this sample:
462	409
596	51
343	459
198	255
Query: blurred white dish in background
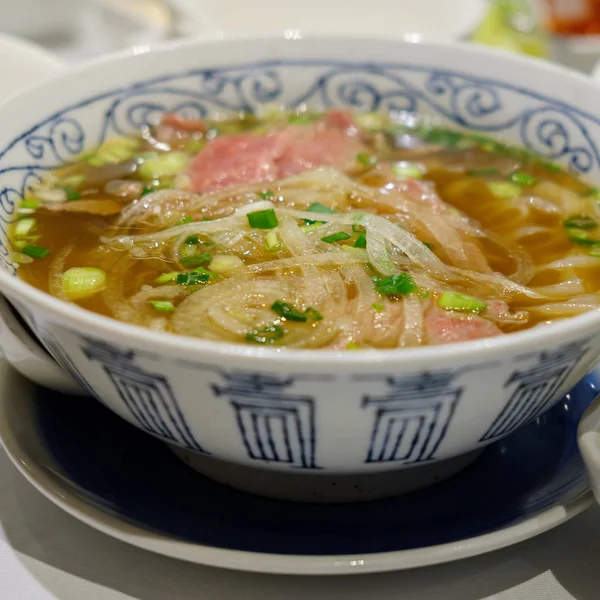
76	30
430	19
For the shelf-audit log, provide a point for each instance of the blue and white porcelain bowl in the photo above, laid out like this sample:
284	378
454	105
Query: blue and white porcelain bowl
303	415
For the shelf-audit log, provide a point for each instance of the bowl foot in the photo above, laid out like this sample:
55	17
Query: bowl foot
318	487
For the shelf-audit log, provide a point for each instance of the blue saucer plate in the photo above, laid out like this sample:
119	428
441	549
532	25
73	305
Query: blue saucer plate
129	485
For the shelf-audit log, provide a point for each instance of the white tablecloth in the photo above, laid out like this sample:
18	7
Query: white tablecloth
45	554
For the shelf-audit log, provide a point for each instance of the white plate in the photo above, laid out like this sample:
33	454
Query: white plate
28	413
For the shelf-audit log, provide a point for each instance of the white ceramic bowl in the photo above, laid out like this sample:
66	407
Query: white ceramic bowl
307	415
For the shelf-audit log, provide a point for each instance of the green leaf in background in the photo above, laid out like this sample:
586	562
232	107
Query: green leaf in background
510	24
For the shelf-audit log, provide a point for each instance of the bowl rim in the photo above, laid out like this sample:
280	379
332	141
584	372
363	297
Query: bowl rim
87	321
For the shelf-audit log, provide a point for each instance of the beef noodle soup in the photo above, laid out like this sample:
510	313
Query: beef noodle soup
327	231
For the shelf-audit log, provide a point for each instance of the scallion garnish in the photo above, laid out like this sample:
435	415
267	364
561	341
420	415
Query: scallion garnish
443	137
378	306
83	282
321	208
196	260
358	228
183	221
272	243
192	240
581	237
24	227
313	314
287	311
522	178
263	219
407	169
163	306
402	285
35	251
551	167
71	194
461	303
336	237
268	334
504	189
199	275
268	195
580	222
361	241
166	277
428	244
366	159
30	203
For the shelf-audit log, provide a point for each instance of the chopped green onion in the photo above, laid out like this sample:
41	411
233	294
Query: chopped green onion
580	222
196	260
402	284
483	172
353	250
522	178
551	167
336	237
301	119
595	251
83	282
192	240
71	194
272	243
313	225
199	275
378	306
287	311
581	237
366	159
321	208
313	314
164	306
428	244
268	334
20	258
592	193
163	165
223	263
35	251
504	189
361	241
263	219
30	203
461	303
24	227
352	346
166	277
183	221
268	195
407	169
443	137
74	181
358	228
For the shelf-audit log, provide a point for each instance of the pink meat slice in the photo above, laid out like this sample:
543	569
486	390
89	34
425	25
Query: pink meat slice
237	159
443	327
